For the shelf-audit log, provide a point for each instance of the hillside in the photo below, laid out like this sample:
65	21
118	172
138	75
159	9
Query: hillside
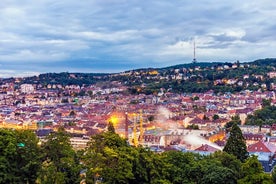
201	77
183	78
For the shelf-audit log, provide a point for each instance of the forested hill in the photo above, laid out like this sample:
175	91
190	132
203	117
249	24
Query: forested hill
259	62
192	77
201	77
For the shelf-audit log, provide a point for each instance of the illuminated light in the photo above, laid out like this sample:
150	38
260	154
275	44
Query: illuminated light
154	72
151	128
114	120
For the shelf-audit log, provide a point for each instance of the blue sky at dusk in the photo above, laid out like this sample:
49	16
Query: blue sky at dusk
40	36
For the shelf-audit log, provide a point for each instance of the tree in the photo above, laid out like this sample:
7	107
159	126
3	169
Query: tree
252	172
193	126
215	117
266	102
216	174
19	156
274	175
28	157
144	169
110	127
109	158
181	166
236	144
60	164
158	169
266	115
195	98
8	148
234	120
229	161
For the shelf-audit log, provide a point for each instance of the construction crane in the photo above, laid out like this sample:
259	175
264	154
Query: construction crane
136	140
141	126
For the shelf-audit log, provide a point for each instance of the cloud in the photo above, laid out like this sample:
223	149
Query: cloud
15	73
91	35
29	56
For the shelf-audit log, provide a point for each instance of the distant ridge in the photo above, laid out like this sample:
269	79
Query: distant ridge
181	78
266	61
259	62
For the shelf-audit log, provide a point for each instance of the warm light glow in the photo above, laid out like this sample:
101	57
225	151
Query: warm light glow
154	72
114	120
151	128
39	143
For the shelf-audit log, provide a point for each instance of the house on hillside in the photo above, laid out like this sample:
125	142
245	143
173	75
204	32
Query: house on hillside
252	138
265	151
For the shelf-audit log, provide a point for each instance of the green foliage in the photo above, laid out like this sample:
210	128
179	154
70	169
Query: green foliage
111	128
28	156
236	144
109	159
216	174
195	98
215	117
19	164
64	78
193	126
204	79
252	172
7	152
274	175
60	160
264	116
234	120
266	102
229	161
181	166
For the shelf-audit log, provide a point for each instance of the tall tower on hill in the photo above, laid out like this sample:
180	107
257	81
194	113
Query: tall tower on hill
194	60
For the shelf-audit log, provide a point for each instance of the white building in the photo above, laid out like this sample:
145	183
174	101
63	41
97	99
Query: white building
27	88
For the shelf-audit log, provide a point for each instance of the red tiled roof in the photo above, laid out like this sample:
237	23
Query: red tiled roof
206	147
261	146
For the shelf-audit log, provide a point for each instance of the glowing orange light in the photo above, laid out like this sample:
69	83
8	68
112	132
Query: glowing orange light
114	120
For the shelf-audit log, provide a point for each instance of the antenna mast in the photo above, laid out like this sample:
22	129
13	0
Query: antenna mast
194	60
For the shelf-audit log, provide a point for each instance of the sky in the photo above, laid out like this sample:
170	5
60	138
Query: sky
92	36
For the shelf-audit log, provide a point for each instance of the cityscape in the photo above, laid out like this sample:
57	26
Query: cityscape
162	121
137	92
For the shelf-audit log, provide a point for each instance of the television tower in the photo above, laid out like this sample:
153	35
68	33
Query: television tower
194	60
